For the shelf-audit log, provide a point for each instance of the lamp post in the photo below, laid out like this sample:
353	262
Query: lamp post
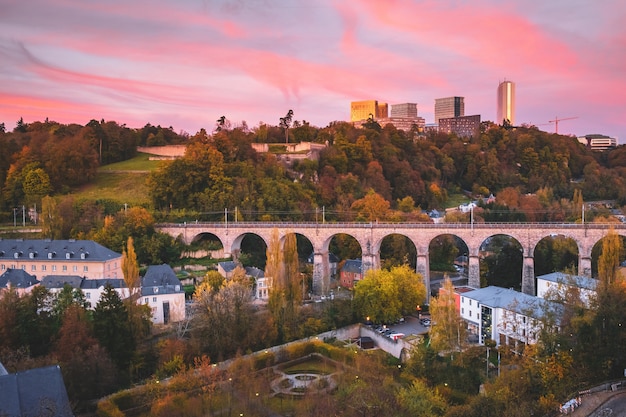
14	217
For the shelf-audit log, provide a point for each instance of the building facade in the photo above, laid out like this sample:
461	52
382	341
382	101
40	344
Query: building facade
363	110
463	127
598	142
404	111
41	257
448	107
506	103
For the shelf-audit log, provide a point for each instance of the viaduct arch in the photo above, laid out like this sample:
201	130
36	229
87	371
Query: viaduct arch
370	236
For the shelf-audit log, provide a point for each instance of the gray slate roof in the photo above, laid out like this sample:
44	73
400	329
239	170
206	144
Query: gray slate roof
59	281
160	279
228	266
518	302
35	392
87	250
255	273
18	278
572	280
353	265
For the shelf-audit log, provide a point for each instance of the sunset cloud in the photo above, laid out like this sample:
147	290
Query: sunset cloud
184	64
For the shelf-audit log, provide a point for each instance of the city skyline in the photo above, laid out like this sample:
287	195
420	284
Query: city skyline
188	63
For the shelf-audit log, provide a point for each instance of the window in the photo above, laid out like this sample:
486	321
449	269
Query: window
154	299
462	310
470	302
85	268
146	300
64	268
87	295
54	268
470	313
23	267
74	268
3	267
463	300
33	267
43	267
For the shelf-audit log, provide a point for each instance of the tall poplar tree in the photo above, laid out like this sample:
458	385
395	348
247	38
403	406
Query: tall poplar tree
608	262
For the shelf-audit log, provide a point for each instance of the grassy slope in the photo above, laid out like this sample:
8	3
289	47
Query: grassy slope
122	181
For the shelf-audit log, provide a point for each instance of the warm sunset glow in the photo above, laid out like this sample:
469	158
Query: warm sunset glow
186	63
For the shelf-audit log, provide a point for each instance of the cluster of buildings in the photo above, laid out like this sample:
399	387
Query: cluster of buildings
449	113
90	267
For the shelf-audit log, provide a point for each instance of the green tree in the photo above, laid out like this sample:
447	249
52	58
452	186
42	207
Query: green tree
419	400
112	328
608	263
36	185
285	123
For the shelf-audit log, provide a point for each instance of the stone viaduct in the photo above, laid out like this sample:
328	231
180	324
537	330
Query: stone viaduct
371	235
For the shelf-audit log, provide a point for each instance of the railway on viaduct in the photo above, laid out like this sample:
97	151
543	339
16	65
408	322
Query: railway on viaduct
370	236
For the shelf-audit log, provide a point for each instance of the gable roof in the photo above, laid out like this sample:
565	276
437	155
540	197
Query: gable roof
17	278
33	249
253	272
28	393
353	265
59	281
586	283
511	300
160	279
228	266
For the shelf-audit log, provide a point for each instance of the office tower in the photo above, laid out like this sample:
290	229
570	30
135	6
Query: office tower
362	110
506	103
448	107
404	110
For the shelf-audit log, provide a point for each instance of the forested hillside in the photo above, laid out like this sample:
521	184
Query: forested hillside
403	171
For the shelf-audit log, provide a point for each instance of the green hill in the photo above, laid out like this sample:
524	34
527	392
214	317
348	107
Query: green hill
122	181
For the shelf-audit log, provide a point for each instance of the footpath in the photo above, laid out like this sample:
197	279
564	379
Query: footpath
592	401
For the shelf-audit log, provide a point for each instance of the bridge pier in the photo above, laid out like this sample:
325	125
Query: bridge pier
321	273
584	265
473	271
528	275
422	267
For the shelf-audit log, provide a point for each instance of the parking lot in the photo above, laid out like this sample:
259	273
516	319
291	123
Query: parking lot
411	325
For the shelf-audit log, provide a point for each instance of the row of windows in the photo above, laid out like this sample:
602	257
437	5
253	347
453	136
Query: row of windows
470	313
44	268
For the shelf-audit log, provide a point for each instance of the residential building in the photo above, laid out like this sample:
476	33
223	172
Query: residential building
462	126
401	123
351	273
449	107
557	285
20	280
508	317
91	288
363	110
41	257
506	103
34	392
226	268
162	291
262	287
598	142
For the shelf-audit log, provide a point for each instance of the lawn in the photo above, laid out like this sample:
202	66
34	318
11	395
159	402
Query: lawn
124	182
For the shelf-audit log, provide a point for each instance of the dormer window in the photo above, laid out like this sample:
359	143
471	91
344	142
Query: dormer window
32	255
68	255
83	255
17	255
51	255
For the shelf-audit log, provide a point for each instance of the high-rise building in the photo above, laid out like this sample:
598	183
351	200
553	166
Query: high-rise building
363	110
404	110
448	107
506	102
598	142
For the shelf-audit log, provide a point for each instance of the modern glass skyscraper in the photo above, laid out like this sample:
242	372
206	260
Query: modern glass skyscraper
448	107
506	102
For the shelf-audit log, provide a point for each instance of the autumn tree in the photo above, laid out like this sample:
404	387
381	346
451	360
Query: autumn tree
372	207
608	263
386	295
447	333
138	315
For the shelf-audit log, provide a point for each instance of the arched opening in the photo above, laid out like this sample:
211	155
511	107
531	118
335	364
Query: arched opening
348	254
252	251
596	253
556	253
204	245
395	250
501	260
448	256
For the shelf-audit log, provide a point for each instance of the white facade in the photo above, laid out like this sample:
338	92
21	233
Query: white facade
506	316
263	286
166	308
556	285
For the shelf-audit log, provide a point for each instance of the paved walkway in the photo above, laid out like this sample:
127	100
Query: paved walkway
591	402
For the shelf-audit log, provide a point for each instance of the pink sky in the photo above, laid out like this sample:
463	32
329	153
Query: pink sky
185	63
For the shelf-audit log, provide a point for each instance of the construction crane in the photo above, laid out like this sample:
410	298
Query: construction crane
557	120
